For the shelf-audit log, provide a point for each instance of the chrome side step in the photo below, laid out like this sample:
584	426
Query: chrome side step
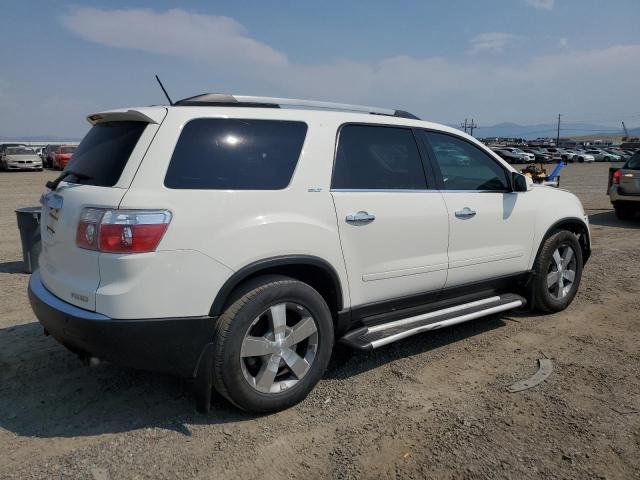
368	338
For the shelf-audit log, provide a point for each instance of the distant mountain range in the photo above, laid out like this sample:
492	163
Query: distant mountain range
507	129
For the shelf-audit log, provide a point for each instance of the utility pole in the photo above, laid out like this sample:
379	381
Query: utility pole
464	125
558	135
472	126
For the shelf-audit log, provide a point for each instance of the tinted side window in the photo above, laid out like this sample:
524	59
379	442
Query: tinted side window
464	166
220	153
372	157
104	152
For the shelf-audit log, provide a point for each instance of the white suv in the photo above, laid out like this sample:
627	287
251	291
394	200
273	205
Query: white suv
234	240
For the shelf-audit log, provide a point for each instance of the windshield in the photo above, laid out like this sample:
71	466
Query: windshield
67	149
19	151
634	162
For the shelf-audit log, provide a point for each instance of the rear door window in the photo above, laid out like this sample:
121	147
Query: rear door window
104	152
377	158
234	154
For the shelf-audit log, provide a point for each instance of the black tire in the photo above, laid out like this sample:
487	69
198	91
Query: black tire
544	300
606	159
580	159
624	213
253	301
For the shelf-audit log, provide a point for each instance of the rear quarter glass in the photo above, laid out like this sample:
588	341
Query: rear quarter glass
104	152
236	154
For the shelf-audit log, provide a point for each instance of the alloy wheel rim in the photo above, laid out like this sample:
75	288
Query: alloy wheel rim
562	272
279	348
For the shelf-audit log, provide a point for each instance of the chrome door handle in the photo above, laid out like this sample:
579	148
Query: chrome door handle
466	212
360	218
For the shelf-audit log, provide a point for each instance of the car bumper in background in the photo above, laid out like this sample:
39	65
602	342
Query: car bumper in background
170	345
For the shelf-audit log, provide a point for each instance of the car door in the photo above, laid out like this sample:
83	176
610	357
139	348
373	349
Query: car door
490	227
393	227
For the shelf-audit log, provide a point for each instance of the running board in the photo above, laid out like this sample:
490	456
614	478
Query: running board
370	337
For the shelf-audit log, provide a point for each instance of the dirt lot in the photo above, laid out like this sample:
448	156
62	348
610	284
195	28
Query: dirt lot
431	406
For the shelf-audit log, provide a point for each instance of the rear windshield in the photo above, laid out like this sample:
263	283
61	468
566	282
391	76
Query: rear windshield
104	152
634	162
67	149
219	153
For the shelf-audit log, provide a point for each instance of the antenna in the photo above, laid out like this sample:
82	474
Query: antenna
165	92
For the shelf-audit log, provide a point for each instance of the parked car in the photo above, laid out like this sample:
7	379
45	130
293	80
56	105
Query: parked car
561	154
540	155
47	155
62	156
20	158
203	240
623	156
624	188
512	155
602	155
579	155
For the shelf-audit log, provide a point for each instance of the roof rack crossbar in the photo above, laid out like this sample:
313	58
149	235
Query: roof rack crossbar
214	99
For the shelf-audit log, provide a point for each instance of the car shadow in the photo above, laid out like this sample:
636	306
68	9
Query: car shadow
608	219
12	267
46	391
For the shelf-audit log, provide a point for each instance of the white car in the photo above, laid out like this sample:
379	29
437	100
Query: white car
580	156
20	158
602	155
235	240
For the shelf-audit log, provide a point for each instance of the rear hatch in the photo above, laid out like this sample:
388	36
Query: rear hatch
106	161
630	177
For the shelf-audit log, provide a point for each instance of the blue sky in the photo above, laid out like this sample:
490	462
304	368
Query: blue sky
520	61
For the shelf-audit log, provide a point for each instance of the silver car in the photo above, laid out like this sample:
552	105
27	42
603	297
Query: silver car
602	155
20	158
624	188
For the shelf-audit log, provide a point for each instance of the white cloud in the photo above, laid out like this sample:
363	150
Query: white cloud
492	42
541	4
174	32
437	88
563	42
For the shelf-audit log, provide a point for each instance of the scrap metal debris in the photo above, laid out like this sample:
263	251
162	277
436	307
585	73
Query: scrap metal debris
541	375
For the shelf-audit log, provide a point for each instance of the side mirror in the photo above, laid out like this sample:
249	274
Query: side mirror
519	182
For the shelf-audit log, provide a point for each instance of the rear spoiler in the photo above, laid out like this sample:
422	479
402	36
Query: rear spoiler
148	115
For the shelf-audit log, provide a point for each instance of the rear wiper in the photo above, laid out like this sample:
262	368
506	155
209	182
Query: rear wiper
53	185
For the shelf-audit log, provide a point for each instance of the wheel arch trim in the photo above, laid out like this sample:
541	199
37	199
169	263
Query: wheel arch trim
566	221
274	262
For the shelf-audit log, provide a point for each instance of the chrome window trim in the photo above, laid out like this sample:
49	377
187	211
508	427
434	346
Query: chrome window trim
432	190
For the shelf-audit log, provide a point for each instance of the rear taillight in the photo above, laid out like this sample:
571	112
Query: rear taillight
616	176
121	231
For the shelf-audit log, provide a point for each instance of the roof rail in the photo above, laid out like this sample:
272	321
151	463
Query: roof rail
222	99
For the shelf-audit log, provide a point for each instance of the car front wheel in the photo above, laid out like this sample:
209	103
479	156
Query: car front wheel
272	345
558	272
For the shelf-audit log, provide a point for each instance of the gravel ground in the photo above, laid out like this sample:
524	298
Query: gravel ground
434	405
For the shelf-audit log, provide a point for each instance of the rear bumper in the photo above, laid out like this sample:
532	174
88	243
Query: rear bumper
619	196
169	345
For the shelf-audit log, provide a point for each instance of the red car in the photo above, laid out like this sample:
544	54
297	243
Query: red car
62	156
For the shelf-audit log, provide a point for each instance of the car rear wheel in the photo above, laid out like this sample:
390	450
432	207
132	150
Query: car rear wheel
558	272
272	345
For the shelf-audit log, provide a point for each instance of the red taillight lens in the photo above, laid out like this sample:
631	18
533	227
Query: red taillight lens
130	238
122	231
616	176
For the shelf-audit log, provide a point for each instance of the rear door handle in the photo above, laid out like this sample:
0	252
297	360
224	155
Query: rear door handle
360	218
466	212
